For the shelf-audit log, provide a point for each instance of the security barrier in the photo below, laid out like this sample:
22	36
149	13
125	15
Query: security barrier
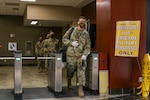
55	84
92	72
18	72
55	72
18	75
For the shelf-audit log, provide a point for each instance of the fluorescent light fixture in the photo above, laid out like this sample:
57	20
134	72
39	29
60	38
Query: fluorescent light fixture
33	22
29	0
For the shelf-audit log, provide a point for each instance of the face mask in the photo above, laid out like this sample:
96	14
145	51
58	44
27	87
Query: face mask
52	35
82	25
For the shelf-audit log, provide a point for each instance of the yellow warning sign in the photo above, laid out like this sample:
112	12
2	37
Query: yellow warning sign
127	38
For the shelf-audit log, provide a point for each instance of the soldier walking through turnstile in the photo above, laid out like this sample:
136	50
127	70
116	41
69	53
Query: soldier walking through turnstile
39	53
51	44
77	52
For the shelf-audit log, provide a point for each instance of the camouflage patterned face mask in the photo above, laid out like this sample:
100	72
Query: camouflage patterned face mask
41	40
52	35
82	25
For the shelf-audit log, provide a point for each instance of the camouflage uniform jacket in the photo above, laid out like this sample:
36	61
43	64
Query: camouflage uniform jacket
83	39
50	45
38	49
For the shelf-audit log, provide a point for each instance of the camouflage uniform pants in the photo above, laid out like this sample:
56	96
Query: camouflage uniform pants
40	64
74	64
46	60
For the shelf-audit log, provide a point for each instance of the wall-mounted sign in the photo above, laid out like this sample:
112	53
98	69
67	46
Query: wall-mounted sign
127	38
12	35
12	46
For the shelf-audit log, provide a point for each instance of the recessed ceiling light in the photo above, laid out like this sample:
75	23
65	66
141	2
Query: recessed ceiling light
33	22
29	0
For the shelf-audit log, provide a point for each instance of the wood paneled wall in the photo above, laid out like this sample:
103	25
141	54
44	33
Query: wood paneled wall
123	72
89	11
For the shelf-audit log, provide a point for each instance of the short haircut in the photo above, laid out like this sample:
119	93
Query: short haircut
82	17
51	31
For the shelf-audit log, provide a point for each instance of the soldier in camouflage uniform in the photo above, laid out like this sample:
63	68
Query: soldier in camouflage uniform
50	44
44	53
77	52
39	53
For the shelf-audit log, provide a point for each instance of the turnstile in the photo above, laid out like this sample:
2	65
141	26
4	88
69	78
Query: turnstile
18	72
92	72
55	72
18	75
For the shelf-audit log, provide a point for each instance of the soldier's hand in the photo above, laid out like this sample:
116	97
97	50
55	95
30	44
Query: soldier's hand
75	43
83	57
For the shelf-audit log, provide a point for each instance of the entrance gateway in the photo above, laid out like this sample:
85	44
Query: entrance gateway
54	73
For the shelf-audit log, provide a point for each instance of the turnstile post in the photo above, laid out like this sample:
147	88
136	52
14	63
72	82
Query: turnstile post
92	72
18	72
55	73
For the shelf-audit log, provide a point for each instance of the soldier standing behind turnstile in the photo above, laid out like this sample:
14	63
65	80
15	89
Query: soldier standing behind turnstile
51	44
77	52
39	53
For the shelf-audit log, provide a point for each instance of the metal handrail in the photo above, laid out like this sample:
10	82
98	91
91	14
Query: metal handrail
5	58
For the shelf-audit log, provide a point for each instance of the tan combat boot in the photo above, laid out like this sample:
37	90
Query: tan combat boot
69	84
80	91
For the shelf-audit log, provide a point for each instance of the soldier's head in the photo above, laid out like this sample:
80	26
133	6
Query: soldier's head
40	38
47	36
82	22
51	34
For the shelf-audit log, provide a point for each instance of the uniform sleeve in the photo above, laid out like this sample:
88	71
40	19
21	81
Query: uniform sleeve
57	45
66	41
44	45
36	49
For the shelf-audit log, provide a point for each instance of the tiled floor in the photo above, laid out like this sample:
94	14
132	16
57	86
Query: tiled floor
32	79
